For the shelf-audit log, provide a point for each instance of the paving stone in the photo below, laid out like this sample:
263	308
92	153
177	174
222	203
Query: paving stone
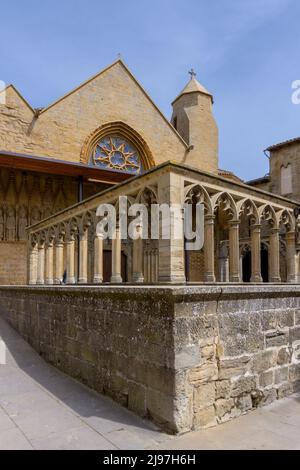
5	421
82	438
43	423
14	439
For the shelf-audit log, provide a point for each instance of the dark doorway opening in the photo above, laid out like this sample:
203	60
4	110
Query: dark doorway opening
264	258
107	266
247	266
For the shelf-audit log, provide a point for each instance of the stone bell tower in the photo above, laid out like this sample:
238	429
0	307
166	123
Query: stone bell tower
193	119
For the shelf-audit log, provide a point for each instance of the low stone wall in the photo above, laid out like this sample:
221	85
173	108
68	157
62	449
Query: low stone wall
186	357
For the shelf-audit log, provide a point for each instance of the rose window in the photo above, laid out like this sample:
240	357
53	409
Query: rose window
115	153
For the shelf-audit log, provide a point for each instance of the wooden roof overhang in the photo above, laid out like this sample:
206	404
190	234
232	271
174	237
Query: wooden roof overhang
53	166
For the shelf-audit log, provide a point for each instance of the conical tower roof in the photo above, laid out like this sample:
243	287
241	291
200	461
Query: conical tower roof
193	86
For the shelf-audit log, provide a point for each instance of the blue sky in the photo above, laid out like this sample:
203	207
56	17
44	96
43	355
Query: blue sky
246	52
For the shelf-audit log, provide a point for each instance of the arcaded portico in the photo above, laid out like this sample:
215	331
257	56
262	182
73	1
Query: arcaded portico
238	219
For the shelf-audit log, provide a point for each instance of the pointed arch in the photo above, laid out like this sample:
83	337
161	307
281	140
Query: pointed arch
198	192
123	130
228	202
268	213
250	208
147	195
286	218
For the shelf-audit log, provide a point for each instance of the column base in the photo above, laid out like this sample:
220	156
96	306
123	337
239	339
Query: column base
49	281
208	277
82	280
71	280
235	278
256	278
138	278
57	282
275	279
116	279
97	279
172	279
40	283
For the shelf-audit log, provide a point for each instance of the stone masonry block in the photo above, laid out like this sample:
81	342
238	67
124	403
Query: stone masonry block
286	318
284	356
294	334
264	360
205	418
204	395
276	338
281	374
137	398
231	367
205	372
223	406
244	403
266	378
223	388
243	385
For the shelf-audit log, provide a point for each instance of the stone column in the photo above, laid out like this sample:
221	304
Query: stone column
59	261
116	254
149	264
137	257
98	259
33	255
153	265
83	257
171	249
274	256
145	270
224	269
70	246
49	263
297	267
41	264
209	249
234	256
291	256
241	268
255	254
223	263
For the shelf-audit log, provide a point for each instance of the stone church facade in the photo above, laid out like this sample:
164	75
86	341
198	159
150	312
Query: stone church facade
188	339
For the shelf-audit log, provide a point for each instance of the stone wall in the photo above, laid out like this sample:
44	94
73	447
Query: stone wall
186	357
283	156
13	266
248	343
26	198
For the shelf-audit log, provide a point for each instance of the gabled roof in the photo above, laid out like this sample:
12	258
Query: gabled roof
194	86
263	179
19	95
120	62
230	175
284	143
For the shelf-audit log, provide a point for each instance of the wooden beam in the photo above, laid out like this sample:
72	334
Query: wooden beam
59	167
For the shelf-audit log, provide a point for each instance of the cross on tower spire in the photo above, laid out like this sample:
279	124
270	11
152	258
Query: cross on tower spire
192	73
